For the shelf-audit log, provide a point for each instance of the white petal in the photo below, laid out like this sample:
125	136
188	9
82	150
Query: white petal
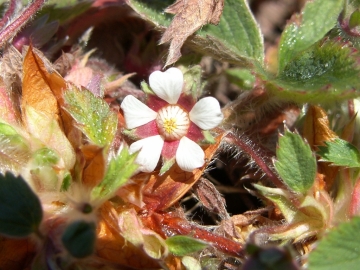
206	113
150	151
189	155
167	85
136	113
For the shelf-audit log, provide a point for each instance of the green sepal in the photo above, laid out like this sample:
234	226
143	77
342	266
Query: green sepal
167	164
192	81
21	211
146	88
208	137
79	238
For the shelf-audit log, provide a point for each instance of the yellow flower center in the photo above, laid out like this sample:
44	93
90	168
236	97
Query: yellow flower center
172	122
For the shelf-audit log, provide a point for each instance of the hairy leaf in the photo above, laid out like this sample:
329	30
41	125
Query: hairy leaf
327	71
295	163
118	172
339	249
14	149
340	153
236	39
93	116
317	18
21	211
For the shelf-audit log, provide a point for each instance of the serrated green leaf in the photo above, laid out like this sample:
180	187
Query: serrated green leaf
119	170
181	245
339	249
21	211
79	238
93	116
327	71
236	39
317	18
340	153
14	149
295	163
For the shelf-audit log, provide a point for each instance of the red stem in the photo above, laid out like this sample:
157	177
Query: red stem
10	11
12	29
223	244
257	155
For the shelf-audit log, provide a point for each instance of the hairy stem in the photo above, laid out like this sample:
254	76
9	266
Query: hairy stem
258	155
11	30
10	11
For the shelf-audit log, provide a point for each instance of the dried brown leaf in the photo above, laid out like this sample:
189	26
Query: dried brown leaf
210	197
190	16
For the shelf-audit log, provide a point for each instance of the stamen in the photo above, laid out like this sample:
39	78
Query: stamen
173	122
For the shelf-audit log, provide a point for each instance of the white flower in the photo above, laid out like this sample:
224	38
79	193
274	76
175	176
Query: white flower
171	125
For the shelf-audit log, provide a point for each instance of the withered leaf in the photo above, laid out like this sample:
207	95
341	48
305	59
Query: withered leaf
317	127
210	197
190	16
316	131
42	88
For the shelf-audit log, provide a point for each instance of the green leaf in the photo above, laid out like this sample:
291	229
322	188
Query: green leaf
67	180
93	116
339	249
327	71
354	19
119	170
241	77
21	211
340	153
64	11
236	39
45	157
317	18
14	149
180	245
79	238
283	202
295	163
